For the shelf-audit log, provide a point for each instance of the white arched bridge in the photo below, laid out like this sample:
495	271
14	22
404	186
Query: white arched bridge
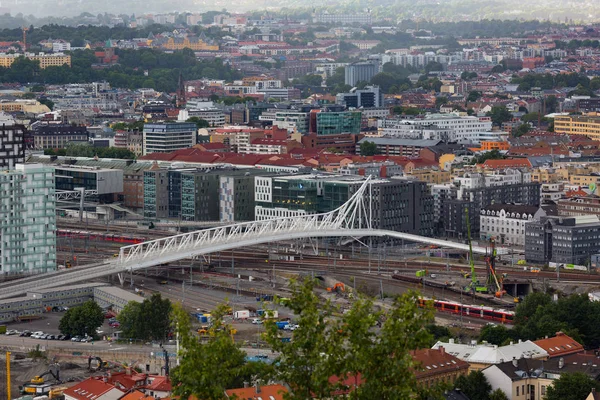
352	219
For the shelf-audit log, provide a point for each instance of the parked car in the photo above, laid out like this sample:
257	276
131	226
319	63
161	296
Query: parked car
36	335
257	321
11	332
25	333
66	337
114	324
60	337
76	339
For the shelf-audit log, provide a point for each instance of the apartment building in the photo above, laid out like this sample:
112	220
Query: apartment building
164	138
12	142
505	223
27	220
45	60
588	125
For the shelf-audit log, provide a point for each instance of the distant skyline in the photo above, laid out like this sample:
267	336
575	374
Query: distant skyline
390	10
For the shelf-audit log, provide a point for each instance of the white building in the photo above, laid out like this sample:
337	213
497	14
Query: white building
508	176
214	116
482	355
27	220
463	128
165	138
505	223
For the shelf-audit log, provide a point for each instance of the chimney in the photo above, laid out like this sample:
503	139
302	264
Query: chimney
511	342
451	341
257	387
561	363
246	384
515	362
559	333
442	350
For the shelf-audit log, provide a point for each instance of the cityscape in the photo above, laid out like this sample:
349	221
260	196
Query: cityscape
351	200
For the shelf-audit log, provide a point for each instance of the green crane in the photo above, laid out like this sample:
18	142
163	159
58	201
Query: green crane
474	286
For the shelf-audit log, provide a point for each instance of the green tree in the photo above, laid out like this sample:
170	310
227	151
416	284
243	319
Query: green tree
47	102
82	320
498	69
496	334
571	386
498	394
488	155
499	114
148	320
474	95
521	130
440	101
207	369
308	361
368	148
475	385
346	346
200	122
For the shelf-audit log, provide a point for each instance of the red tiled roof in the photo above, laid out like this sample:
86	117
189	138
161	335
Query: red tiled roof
91	387
160	384
275	392
559	345
509	163
576	193
136	395
436	361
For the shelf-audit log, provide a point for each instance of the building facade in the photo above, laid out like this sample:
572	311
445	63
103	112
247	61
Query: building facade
562	240
164	138
359	72
12	144
27	220
335	123
58	136
505	223
588	125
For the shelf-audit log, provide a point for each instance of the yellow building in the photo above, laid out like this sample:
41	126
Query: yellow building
588	125
431	176
446	161
195	44
26	106
46	60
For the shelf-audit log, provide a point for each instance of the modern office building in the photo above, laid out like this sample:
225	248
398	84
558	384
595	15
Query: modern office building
236	199
335	123
369	97
27	220
12	142
359	72
562	240
398	204
164	138
57	136
588	125
156	193
108	182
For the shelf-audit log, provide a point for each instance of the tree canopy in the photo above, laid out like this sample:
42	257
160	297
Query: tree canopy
82	320
149	320
87	150
571	386
368	148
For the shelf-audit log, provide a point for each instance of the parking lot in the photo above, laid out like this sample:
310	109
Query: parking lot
49	324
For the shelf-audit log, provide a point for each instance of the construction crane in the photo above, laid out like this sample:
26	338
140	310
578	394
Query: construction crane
474	286
25	29
492	279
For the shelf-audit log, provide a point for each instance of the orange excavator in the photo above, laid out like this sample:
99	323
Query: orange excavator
337	288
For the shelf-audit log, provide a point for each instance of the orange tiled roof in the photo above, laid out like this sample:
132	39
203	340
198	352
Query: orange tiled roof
559	345
273	392
509	163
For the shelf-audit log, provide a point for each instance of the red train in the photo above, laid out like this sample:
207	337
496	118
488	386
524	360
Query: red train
107	237
488	313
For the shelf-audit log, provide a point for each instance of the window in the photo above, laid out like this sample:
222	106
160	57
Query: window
517	391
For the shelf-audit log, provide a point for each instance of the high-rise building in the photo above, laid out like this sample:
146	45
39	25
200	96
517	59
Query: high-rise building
164	138
335	123
12	142
397	204
27	220
359	72
369	97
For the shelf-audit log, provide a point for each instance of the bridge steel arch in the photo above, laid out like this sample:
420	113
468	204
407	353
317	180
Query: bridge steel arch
352	219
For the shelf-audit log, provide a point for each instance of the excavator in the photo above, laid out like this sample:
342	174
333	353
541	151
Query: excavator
38	385
337	288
